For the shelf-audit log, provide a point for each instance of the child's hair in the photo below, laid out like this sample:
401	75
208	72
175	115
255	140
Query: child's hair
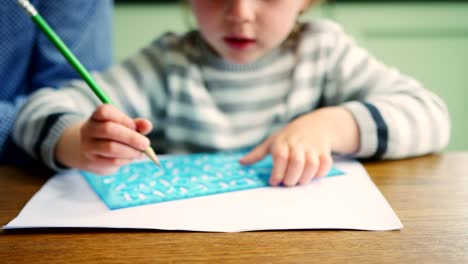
313	3
189	23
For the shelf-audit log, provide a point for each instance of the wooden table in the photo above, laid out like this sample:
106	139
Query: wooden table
429	194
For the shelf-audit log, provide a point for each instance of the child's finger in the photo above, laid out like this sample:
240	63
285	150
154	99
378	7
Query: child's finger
280	155
295	166
117	132
311	167
326	162
107	112
113	149
143	126
257	154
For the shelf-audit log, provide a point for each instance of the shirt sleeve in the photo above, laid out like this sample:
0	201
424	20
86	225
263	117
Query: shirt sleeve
85	27
9	111
396	115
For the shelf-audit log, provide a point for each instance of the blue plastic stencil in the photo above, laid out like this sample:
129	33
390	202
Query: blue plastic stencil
183	176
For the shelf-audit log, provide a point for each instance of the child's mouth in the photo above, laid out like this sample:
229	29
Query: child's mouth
239	43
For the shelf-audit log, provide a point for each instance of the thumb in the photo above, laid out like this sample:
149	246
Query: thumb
143	126
257	154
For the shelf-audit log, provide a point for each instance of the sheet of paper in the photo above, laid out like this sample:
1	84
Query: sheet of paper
351	201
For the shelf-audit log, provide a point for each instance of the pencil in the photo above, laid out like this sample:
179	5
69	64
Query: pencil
74	62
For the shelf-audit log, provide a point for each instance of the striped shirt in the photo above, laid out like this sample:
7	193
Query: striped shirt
199	102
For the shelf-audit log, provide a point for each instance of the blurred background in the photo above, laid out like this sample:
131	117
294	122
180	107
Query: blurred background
425	39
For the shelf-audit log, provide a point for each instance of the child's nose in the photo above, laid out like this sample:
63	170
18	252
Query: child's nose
240	11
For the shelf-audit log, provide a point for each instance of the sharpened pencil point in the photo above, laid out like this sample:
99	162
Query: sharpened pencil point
152	155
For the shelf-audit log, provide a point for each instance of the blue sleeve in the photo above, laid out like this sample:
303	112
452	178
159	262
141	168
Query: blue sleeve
86	27
9	111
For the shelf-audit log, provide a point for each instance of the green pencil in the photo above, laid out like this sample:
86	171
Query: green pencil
74	62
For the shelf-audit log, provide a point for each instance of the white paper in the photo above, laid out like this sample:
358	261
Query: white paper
351	201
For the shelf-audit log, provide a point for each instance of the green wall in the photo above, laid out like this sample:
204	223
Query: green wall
427	41
137	25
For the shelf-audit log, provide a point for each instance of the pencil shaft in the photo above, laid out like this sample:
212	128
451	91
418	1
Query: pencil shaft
74	62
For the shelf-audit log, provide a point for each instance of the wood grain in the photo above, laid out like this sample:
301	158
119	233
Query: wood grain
429	194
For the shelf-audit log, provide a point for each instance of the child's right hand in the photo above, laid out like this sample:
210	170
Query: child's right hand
105	142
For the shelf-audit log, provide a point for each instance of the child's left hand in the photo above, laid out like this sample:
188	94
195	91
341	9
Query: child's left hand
302	150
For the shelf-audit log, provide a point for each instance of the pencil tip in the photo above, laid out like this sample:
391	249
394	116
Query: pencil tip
152	155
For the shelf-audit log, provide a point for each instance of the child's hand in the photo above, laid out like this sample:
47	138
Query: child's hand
106	141
302	150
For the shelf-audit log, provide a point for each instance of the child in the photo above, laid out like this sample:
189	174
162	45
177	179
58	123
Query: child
250	76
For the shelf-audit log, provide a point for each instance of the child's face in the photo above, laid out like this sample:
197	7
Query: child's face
242	31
